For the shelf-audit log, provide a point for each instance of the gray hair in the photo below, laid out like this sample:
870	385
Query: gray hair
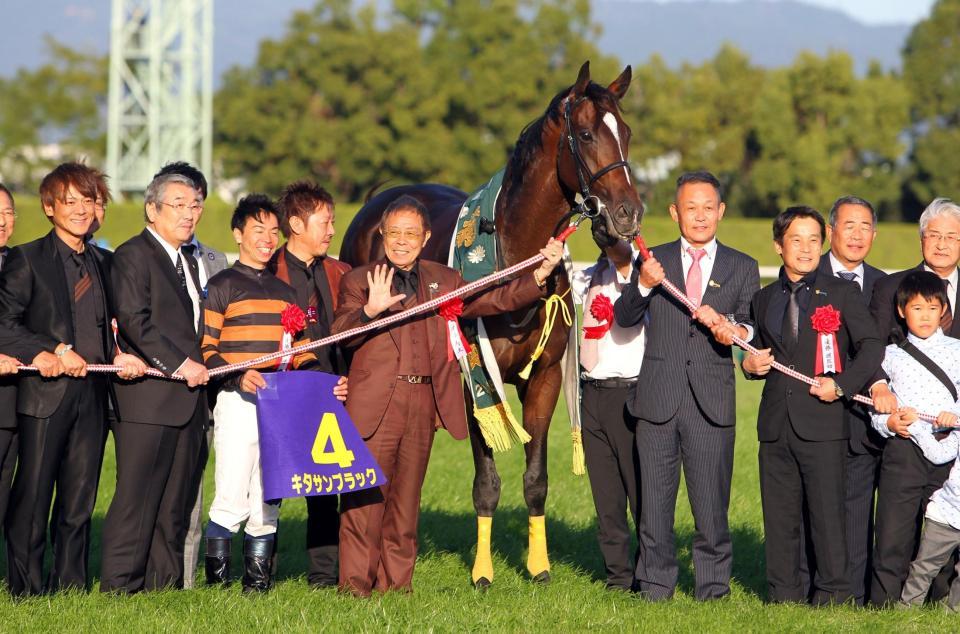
850	200
158	187
939	207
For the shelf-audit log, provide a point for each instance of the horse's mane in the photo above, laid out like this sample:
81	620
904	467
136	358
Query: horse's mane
530	142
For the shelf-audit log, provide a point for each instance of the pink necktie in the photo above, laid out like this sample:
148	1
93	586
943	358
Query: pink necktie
694	276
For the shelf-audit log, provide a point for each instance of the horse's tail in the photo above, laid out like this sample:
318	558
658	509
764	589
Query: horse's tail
373	190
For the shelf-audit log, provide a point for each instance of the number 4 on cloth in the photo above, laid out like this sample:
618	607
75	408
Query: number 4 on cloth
329	433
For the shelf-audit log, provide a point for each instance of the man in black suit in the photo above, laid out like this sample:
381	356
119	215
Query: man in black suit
907	478
851	229
803	431
55	312
160	422
8	384
685	397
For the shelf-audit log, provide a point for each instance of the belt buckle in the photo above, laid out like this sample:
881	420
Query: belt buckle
415	379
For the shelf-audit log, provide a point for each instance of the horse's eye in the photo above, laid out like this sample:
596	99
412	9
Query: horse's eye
586	136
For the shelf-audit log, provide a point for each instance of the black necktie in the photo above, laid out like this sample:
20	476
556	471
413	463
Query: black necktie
189	249
82	287
790	330
406	282
180	272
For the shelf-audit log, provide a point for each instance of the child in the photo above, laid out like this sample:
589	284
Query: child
242	321
924	372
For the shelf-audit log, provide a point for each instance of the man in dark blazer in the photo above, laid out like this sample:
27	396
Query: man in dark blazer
403	387
55	311
160	423
907	479
685	398
307	221
851	229
8	384
804	431
210	262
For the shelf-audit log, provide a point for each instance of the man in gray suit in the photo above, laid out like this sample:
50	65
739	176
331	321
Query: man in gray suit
211	262
685	399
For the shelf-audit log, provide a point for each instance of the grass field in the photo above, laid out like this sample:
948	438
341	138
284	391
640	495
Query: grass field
897	245
444	600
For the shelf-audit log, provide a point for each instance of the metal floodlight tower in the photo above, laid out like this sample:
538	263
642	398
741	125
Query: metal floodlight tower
160	105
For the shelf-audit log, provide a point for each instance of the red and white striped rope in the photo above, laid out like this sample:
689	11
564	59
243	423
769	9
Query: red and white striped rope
377	324
776	365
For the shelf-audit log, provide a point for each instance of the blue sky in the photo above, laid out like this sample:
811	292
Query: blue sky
85	24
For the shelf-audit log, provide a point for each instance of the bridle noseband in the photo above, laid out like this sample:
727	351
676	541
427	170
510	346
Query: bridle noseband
590	205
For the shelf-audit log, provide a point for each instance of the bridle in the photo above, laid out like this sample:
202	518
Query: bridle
590	205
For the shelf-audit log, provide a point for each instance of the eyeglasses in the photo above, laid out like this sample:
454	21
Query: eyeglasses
182	207
8	214
949	238
409	234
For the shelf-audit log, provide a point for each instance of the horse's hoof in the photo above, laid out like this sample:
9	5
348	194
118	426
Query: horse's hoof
482	584
543	577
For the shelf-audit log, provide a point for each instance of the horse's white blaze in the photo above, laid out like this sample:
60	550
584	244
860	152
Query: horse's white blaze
611	122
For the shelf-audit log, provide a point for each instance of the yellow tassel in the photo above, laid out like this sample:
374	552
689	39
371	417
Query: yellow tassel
579	460
483	564
492	428
555	304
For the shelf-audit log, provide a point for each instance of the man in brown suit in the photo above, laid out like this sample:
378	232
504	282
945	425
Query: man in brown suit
403	387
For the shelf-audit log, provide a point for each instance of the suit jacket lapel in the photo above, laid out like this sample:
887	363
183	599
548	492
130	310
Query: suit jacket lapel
50	268
169	270
673	264
718	275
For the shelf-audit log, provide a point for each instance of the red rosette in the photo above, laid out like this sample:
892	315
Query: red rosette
451	309
601	308
293	319
826	319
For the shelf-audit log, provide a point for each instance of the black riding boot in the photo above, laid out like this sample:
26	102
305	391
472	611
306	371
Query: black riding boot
257	563
218	560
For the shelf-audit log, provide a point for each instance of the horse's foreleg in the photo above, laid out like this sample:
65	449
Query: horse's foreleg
486	496
539	400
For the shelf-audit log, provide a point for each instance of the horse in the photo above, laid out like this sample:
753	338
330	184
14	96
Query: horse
572	158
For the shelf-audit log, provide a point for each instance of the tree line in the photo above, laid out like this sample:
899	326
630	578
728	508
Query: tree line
437	90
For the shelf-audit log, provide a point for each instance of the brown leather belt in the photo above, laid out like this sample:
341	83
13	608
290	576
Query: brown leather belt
415	379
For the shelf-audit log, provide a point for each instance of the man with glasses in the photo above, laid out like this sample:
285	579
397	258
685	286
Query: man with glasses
907	479
210	262
56	306
8	365
406	388
160	423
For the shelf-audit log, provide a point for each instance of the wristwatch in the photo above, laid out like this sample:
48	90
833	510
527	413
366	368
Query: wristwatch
837	389
64	350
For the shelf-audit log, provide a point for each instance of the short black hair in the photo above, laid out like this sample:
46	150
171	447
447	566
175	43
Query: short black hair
786	217
850	200
407	202
252	206
300	199
923	283
700	176
185	169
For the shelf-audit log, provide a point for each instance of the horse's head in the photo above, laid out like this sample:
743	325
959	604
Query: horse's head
593	151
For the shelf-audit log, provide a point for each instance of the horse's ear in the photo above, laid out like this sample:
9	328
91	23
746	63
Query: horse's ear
583	80
621	83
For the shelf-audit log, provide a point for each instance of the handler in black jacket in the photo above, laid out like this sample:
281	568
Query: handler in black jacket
55	313
160	422
803	431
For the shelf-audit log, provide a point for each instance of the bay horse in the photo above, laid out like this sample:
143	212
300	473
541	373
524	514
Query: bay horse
575	153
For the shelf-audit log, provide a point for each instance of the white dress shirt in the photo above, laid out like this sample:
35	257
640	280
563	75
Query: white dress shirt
951	287
914	385
620	350
192	290
837	267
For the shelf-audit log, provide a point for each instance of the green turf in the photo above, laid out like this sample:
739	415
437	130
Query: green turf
897	244
443	599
